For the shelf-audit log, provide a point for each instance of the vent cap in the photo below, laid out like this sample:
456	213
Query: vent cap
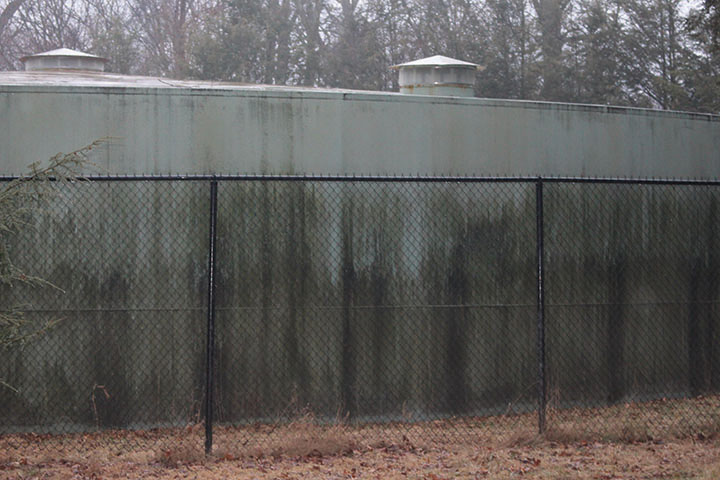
438	75
64	59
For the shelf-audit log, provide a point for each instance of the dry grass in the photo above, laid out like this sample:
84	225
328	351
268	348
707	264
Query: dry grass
304	436
665	439
179	451
634	422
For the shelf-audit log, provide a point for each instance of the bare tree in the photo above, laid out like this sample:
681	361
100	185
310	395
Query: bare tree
162	31
7	13
638	52
657	51
39	25
511	51
394	22
112	35
595	53
353	58
551	16
49	24
310	43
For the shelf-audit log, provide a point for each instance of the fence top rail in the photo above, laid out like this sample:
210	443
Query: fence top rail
391	179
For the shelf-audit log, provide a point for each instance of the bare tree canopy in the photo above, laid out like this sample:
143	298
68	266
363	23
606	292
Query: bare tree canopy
8	12
649	53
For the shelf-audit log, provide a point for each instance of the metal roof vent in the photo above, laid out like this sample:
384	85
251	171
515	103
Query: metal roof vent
64	59
438	75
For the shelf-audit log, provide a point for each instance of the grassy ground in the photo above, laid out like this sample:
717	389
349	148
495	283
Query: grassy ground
665	439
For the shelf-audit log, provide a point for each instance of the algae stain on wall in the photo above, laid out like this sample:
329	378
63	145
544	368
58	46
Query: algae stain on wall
368	291
374	301
122	329
630	304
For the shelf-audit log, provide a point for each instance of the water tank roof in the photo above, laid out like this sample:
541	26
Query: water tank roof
62	59
437	61
82	80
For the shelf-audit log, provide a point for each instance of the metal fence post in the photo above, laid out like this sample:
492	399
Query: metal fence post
210	347
542	387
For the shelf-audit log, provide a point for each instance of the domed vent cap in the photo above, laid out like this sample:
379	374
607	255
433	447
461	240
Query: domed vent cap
64	59
438	75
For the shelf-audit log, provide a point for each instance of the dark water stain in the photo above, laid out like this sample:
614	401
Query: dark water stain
703	293
466	258
713	286
348	276
60	397
111	389
267	256
381	319
615	348
458	296
298	269
18	409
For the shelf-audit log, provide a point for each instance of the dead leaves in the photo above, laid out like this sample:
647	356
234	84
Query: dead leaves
168	453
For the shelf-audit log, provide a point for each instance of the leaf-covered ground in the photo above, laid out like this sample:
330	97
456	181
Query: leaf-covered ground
624	442
540	459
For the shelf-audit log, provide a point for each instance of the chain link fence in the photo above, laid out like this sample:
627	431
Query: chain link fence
240	312
632	306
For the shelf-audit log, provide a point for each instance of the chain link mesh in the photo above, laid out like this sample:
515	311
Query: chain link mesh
401	307
364	303
126	266
632	307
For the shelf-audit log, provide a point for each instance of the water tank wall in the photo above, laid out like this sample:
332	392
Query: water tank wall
430	286
284	131
134	256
